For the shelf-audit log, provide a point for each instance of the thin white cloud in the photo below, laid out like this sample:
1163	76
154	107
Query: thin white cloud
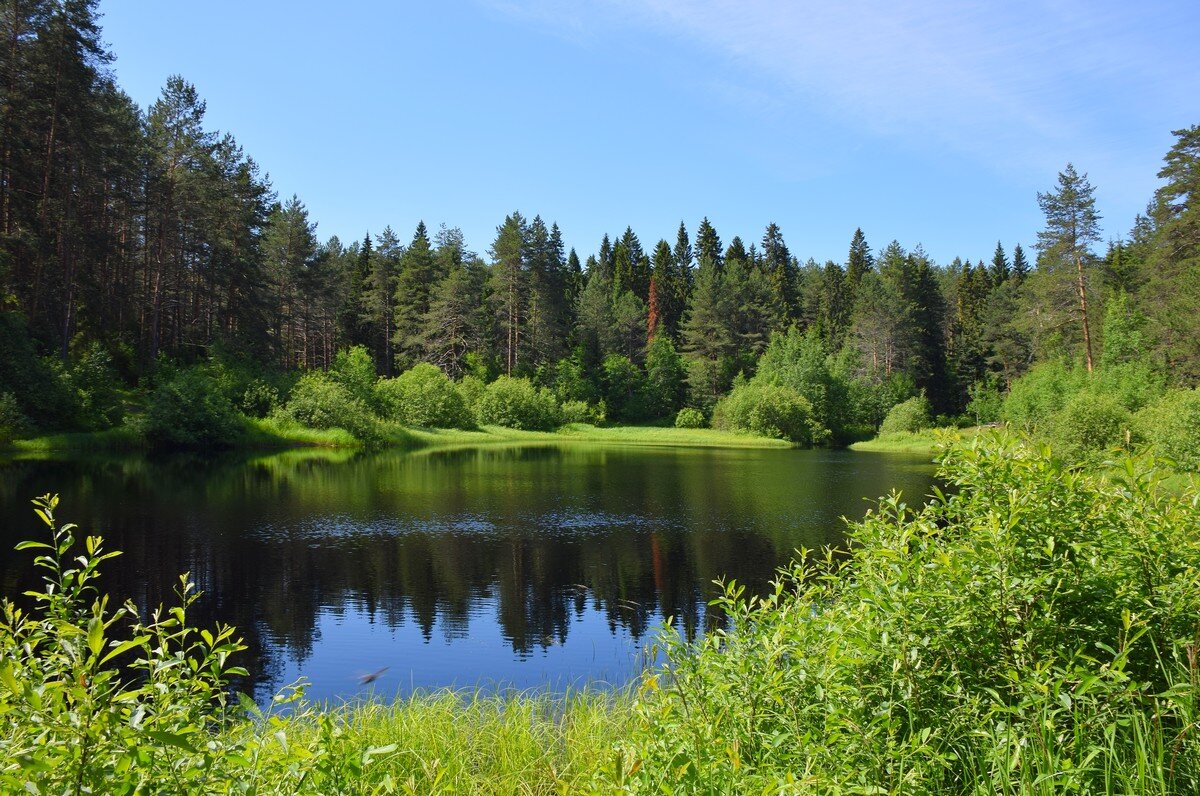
1016	83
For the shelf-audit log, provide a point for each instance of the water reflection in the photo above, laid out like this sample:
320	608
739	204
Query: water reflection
521	565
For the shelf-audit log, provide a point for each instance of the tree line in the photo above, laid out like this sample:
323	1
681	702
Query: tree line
131	236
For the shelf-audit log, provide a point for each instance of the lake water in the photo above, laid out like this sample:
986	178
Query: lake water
526	567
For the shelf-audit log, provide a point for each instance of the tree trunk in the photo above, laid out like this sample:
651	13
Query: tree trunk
1083	309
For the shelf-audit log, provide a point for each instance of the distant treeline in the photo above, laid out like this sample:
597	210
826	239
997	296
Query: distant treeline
128	237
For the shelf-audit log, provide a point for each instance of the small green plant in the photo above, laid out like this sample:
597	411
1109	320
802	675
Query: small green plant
908	416
582	412
318	401
516	403
771	411
423	396
190	411
690	418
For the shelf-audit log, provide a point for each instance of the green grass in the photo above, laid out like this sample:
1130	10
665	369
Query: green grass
582	432
925	441
448	742
122	438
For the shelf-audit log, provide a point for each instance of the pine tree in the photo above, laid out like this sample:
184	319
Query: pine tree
1000	267
1020	266
1064	246
683	256
777	263
508	283
378	300
456	321
858	262
415	281
708	245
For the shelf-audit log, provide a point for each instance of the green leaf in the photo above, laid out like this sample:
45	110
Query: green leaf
172	739
95	635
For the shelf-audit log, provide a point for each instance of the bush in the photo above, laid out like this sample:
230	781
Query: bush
95	388
516	403
1089	423
986	401
258	399
624	389
690	418
1040	394
423	396
1032	630
770	411
190	411
317	401
915	414
354	369
1172	426
582	412
472	388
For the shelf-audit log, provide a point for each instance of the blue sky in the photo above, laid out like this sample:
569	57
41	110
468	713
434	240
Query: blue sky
928	122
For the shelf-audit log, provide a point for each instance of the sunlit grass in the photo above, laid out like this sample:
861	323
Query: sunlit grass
925	441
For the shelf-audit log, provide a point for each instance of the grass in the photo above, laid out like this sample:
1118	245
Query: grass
925	441
582	432
448	742
122	438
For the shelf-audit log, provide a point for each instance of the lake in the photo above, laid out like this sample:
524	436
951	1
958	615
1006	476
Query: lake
530	567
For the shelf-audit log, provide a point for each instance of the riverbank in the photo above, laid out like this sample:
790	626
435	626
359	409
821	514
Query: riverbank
925	442
271	434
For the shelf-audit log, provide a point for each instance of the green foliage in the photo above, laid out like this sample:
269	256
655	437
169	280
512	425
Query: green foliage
908	416
41	393
799	360
423	396
986	402
583	412
516	403
1030	631
12	421
770	411
666	377
472	388
191	411
1089	423
690	418
1172	426
1038	395
318	401
354	370
625	389
95	389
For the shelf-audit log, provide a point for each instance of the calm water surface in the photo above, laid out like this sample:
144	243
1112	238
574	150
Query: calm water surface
526	567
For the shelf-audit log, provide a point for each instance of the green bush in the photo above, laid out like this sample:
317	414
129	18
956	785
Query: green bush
95	389
770	411
1089	423
1030	631
423	396
472	388
690	418
1172	426
516	403
354	369
985	401
12	421
909	416
625	389
582	412
317	401
1038	396
190	411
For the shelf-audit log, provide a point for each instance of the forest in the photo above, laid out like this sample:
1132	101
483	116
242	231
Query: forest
138	245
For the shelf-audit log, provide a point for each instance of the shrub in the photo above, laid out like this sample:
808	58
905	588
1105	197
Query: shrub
354	369
770	411
95	388
1172	426
1037	396
986	401
666	375
190	411
1088	423
1032	625
423	396
258	399
12	421
516	403
582	412
97	700
472	388
912	415
624	389
690	418
318	401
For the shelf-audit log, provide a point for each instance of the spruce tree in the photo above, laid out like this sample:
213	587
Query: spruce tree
414	285
507	282
708	245
858	262
1020	266
777	263
1000	267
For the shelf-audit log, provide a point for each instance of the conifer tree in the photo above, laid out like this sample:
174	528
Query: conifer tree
1020	266
858	262
683	255
508	282
708	246
414	285
777	263
1064	246
378	300
1000	267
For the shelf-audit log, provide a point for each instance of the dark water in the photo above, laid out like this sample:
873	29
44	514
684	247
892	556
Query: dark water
529	567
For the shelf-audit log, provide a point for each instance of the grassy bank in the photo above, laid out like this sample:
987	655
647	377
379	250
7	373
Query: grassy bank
275	434
924	442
